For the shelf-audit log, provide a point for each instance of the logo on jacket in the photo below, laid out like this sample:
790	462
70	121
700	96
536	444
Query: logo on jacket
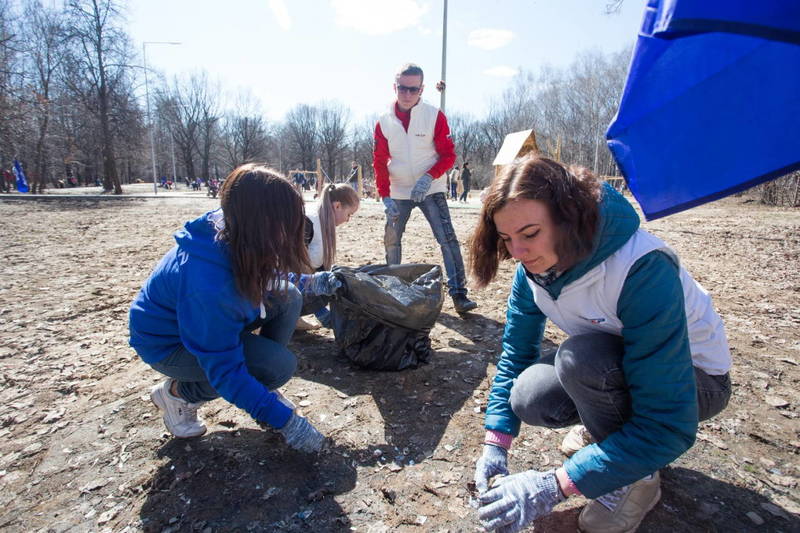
596	321
419	135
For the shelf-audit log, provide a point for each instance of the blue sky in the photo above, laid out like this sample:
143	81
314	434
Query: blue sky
304	51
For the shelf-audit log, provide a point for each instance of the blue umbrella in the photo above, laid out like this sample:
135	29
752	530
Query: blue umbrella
711	105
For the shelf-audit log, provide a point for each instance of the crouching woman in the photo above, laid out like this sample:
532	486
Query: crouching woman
194	318
646	358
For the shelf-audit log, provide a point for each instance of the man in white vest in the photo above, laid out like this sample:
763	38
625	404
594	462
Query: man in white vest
413	150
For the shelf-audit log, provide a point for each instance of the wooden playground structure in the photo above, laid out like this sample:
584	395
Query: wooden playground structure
320	177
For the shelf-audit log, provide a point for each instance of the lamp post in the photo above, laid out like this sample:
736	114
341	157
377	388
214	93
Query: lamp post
149	116
444	56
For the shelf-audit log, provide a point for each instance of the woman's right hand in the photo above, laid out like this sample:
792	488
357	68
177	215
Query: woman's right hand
301	435
494	461
323	283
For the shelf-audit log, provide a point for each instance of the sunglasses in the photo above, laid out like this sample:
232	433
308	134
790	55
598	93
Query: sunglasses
409	90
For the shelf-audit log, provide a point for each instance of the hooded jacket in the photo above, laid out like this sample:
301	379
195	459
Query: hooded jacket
650	314
191	299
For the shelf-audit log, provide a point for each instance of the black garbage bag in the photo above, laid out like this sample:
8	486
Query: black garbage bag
383	315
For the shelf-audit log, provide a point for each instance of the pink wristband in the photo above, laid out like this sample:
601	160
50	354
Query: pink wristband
498	438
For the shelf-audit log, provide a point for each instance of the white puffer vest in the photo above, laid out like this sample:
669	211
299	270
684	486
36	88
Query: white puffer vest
413	153
589	304
315	249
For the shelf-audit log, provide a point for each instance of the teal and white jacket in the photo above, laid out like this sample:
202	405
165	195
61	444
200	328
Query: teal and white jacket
632	285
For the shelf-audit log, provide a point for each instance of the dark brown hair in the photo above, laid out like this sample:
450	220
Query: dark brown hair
264	219
410	69
571	196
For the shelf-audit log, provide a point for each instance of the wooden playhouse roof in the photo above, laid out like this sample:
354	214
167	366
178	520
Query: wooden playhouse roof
515	145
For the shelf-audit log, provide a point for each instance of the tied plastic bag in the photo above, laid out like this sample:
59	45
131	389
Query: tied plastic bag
383	314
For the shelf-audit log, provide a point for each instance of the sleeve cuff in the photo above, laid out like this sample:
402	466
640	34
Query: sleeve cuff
498	438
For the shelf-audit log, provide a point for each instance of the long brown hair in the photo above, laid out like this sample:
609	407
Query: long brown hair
571	196
348	197
264	220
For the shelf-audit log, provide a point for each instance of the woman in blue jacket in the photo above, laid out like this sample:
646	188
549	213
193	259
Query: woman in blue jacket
646	358
193	319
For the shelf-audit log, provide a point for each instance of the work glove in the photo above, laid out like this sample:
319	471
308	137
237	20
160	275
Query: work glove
421	188
301	435
494	461
323	284
391	210
515	501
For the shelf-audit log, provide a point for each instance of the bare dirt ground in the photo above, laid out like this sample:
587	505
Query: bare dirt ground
83	449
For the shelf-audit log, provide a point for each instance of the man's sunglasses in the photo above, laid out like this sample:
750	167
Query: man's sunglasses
407	89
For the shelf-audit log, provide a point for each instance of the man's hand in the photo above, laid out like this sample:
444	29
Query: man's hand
516	501
391	210
323	284
421	188
301	435
494	461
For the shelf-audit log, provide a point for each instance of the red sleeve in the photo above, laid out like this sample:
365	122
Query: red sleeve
380	162
444	147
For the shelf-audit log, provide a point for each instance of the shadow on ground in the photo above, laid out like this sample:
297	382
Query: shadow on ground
245	479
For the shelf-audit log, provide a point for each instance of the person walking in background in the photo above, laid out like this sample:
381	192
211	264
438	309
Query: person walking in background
228	276
646	357
412	150
466	176
452	183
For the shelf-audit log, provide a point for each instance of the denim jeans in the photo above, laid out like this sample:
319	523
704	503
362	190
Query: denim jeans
583	382
435	209
266	355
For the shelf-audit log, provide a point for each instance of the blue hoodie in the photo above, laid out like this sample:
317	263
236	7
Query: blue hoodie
657	361
191	299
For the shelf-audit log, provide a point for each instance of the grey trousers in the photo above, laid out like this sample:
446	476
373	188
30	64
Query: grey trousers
590	368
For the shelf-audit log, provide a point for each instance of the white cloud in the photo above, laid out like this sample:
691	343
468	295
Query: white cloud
378	17
281	13
490	39
501	71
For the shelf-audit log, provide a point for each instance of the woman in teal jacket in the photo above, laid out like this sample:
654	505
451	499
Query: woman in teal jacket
193	319
646	358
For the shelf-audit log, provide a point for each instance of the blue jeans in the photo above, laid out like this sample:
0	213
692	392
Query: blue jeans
435	209
583	382
266	355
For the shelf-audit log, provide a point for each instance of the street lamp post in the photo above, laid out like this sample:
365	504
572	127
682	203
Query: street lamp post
444	55
149	116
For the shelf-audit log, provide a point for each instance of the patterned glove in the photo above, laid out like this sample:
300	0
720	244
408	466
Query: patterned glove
493	461
391	210
323	284
301	435
515	501
421	188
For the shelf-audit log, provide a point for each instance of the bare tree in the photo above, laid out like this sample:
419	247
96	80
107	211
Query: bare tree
96	68
44	53
301	130
332	122
245	132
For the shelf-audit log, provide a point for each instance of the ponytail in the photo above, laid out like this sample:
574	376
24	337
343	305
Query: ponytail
345	195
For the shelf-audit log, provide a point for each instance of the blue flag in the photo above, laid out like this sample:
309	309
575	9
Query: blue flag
712	101
22	181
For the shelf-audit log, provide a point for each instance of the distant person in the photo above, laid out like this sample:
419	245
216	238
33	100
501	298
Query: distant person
452	182
193	319
412	150
466	181
352	179
646	355
336	205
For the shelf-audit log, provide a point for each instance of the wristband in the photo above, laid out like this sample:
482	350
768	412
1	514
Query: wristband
498	438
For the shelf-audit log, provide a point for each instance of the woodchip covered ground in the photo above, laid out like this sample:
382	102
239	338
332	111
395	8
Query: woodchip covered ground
83	449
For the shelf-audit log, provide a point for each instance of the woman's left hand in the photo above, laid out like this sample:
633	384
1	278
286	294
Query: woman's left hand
517	500
323	284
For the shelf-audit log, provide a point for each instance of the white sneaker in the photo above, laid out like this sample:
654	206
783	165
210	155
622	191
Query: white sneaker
180	416
303	325
578	437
